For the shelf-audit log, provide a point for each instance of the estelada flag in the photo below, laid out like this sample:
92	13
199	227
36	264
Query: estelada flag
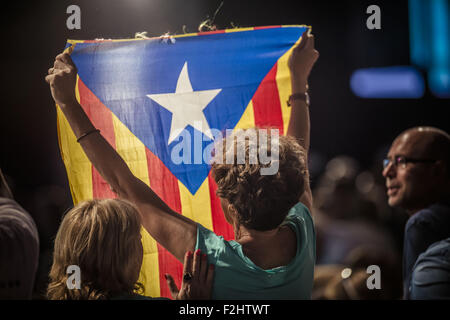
149	96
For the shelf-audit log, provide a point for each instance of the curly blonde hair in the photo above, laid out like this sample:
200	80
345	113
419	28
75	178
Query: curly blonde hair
262	202
102	238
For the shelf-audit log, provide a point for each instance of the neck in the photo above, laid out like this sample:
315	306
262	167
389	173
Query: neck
425	204
245	235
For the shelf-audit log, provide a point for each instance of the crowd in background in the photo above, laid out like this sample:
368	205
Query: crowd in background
355	228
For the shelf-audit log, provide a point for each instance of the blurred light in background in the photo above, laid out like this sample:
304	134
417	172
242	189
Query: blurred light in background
419	33
345	273
429	37
439	82
388	83
430	42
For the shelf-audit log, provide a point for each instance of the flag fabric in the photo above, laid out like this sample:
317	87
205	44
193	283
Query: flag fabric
159	103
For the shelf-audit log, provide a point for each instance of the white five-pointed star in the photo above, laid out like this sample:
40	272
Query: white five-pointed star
186	106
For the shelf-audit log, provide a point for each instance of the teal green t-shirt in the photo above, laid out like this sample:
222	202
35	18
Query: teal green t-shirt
237	277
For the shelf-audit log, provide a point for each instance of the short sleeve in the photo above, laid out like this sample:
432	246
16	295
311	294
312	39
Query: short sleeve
210	243
300	220
299	214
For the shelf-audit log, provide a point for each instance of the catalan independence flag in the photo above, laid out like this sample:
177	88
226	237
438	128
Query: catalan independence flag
144	93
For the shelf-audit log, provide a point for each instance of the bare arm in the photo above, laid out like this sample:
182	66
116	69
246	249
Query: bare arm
175	232
300	63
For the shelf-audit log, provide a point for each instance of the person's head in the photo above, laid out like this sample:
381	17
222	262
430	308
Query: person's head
102	238
19	251
250	198
336	194
417	169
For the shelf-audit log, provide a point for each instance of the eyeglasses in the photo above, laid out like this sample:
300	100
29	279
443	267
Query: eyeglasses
401	161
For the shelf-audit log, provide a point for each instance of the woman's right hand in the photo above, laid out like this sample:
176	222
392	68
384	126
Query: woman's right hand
302	60
197	278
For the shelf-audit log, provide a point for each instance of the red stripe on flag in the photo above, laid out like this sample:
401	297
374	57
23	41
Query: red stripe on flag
165	185
101	117
266	103
220	225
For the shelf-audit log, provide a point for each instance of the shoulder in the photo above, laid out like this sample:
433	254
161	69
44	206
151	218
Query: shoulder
430	215
299	211
210	243
17	221
431	272
436	255
439	248
299	218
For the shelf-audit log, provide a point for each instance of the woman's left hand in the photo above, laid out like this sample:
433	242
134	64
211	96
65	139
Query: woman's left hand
62	78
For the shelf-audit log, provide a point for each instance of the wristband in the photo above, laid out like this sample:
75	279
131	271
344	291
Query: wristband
299	96
84	135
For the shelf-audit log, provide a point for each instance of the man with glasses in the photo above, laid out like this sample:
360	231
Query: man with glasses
417	173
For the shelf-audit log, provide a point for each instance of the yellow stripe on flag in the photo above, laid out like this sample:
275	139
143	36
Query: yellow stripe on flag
283	80
132	151
197	207
149	274
78	166
247	120
239	29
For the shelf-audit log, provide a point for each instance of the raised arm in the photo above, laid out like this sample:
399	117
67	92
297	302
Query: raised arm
300	64
173	231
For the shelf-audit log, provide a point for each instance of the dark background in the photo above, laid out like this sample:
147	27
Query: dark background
35	32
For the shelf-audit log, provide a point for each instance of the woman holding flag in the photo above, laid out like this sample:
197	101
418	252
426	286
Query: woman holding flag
273	254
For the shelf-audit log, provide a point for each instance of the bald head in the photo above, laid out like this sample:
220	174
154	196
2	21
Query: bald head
427	142
418	173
